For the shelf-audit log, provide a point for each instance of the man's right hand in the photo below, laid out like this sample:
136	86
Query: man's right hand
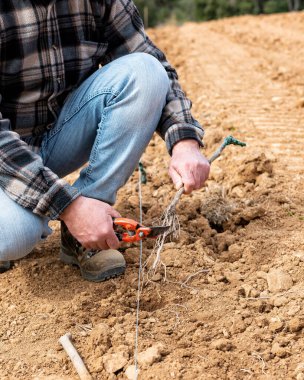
90	222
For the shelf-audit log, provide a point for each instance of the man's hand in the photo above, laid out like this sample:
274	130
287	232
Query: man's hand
188	166
90	222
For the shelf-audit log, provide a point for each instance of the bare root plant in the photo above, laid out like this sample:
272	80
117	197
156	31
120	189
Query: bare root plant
170	218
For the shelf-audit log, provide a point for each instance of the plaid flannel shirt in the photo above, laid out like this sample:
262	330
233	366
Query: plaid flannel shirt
48	47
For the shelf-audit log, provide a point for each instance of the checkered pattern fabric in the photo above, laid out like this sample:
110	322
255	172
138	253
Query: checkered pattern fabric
47	49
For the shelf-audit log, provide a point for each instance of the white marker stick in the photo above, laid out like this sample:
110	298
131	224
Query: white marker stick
78	363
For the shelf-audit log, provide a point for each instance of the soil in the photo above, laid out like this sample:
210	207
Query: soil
231	303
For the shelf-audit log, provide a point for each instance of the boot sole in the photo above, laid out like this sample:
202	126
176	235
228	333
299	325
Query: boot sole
107	275
5	266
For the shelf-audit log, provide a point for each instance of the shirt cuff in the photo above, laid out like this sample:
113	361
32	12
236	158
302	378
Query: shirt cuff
177	133
58	197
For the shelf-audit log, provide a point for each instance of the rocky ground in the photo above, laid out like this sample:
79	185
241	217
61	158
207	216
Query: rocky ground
230	305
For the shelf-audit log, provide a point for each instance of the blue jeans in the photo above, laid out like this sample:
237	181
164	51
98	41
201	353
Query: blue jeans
108	121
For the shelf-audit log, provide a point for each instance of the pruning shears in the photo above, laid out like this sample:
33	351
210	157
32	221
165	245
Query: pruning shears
130	231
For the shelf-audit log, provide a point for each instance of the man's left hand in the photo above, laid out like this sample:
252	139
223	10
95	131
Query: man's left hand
188	167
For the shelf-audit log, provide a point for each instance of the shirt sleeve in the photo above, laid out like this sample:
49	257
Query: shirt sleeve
124	32
25	179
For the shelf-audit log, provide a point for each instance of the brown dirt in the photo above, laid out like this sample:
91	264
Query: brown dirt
244	318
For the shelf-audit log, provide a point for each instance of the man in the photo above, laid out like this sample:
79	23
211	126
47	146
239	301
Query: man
61	110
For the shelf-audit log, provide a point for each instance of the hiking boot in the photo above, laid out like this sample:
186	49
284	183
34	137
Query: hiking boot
4	266
94	265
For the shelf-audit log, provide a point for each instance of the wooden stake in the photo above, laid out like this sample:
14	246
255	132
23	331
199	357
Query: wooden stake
78	363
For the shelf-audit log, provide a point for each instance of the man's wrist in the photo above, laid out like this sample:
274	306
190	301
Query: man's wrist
186	144
66	213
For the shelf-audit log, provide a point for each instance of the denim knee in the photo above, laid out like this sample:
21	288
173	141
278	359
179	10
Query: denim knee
148	73
18	236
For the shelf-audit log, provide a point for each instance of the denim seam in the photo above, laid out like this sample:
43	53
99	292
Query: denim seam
89	98
59	127
93	156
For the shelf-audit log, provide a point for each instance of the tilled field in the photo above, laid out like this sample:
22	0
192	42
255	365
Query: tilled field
231	303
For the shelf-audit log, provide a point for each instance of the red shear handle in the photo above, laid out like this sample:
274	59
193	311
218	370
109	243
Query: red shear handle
135	232
139	235
127	224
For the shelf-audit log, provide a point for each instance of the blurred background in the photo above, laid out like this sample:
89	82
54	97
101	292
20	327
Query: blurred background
155	12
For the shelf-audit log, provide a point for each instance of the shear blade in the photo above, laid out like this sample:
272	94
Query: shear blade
156	231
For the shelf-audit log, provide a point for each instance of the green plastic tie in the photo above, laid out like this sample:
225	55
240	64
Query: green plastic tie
143	173
232	140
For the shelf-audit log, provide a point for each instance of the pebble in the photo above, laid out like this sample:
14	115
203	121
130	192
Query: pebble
115	362
100	335
248	291
276	325
151	355
253	213
233	254
233	277
279	351
226	333
300	103
295	324
133	200
221	345
130	372
276	99
299	255
280	301
261	274
278	280
157	277
293	309
194	292
299	368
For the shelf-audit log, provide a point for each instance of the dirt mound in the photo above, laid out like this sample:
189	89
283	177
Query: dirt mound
230	305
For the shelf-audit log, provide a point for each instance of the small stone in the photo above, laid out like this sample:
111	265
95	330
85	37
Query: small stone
299	255
226	333
261	274
293	309
233	277
253	213
58	347
245	291
100	335
151	355
115	362
264	294
254	293
276	99
133	200
278	280
194	292
299	368
279	351
300	103
238	325
280	301
131	372
300	376
221	345
276	325
233	254
47	308
295	324
129	338
157	277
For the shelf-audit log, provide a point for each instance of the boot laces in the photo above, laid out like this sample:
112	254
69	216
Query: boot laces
84	252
